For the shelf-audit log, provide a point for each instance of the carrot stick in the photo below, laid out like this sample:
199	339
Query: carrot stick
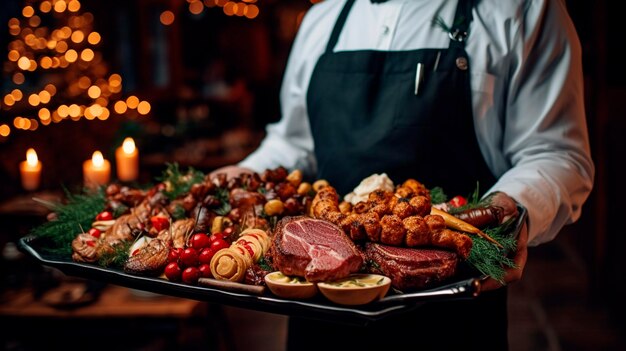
458	224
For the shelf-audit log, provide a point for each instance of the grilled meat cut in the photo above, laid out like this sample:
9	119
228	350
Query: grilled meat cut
408	268
314	249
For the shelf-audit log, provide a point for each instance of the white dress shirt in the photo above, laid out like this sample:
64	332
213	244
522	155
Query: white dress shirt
527	94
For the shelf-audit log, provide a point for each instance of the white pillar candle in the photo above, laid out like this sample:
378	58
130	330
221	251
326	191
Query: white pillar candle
30	171
127	160
96	171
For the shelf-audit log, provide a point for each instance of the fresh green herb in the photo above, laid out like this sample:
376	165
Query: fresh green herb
264	265
117	257
490	260
223	196
80	210
179	183
437	196
179	212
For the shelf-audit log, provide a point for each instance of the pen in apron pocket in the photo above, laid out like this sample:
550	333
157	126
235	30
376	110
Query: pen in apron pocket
419	76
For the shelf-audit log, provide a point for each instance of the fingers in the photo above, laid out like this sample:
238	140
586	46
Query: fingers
231	171
511	275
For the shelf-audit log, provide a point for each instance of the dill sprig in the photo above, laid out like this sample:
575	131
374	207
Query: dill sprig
117	257
78	211
437	196
223	195
179	183
489	259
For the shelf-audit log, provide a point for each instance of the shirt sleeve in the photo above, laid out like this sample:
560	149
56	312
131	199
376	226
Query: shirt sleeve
545	136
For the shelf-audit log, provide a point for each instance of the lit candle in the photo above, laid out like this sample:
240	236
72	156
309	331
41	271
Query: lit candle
96	171
30	170
127	159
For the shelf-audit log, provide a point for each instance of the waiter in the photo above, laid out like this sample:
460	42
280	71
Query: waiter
448	93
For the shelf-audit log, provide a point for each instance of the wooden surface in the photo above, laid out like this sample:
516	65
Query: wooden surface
113	302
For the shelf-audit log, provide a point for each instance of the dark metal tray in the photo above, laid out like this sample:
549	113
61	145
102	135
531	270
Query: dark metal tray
316	308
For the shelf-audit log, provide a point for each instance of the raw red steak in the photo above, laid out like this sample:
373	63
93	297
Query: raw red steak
314	249
411	269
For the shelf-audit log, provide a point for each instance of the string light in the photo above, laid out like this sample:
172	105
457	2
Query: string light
64	47
240	8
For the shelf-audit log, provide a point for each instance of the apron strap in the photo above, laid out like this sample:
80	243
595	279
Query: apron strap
460	26
339	26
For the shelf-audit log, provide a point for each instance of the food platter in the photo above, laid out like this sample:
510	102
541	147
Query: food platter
462	286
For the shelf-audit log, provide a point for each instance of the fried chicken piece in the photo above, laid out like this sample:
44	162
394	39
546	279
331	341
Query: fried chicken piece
392	230
149	260
362	206
353	227
371	224
435	222
459	242
421	204
403	209
179	230
417	231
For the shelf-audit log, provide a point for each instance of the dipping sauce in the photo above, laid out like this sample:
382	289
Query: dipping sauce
358	281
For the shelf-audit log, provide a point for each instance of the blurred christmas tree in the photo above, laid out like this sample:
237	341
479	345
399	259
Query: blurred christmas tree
54	72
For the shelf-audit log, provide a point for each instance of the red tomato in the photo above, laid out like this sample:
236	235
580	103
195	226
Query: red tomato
159	222
189	257
174	254
216	236
104	216
458	201
199	241
95	232
228	231
173	271
206	255
219	244
191	275
205	271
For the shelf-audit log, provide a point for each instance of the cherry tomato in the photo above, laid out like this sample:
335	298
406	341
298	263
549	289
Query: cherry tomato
174	254
219	244
228	231
205	271
206	255
95	232
173	271
159	222
189	257
199	241
191	275
216	236
458	201
104	216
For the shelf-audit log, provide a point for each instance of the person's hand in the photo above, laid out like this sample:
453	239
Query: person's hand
231	171
512	275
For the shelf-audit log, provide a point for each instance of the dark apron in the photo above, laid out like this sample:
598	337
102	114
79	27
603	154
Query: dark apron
367	117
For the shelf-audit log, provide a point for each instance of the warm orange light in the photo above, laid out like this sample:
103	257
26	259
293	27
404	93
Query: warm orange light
87	55
18	78
33	124
34	100
28	11
45	6
73	6
96	171
60	6
51	89
34	21
93	38
61	47
74	110
167	17
143	108
17	94
9	100
120	107
45	62
71	55
23	63
251	11
13	55
78	36
44	97
84	82
196	7
44	114
63	111
94	92
5	130
115	80
132	102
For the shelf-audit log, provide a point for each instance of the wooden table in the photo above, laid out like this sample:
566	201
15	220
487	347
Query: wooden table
119	319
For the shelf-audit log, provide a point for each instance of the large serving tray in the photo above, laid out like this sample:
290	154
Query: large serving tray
317	308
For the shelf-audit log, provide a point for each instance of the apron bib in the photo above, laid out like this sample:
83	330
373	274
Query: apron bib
366	116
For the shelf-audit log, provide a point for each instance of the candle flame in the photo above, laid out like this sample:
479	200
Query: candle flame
31	157
97	159
128	146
